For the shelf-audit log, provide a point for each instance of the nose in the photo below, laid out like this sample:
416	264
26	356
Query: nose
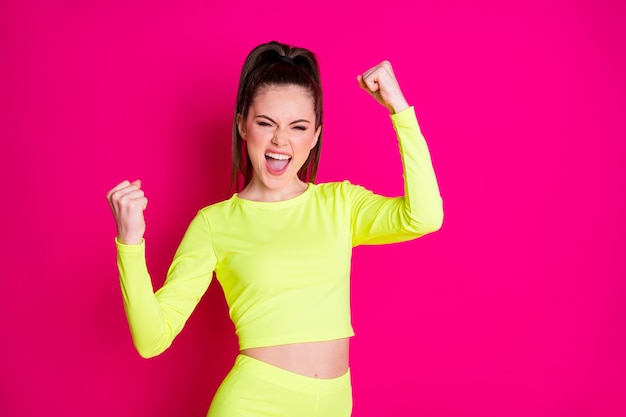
280	137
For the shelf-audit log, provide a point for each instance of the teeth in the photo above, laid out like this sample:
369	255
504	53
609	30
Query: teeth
278	156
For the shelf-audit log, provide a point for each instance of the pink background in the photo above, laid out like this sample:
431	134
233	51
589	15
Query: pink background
517	307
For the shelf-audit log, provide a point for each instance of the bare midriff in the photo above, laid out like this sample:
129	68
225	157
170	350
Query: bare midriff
326	360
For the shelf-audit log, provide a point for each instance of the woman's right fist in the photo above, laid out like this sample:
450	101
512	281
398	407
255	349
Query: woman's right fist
127	203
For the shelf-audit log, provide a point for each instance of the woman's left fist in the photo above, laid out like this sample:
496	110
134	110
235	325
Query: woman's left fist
380	82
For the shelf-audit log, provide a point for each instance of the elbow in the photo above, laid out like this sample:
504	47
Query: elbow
436	222
425	224
148	352
435	219
150	349
151	333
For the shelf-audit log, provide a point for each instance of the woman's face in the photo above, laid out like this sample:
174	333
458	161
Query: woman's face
279	132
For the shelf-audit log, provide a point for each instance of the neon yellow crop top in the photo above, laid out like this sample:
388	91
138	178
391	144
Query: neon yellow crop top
284	266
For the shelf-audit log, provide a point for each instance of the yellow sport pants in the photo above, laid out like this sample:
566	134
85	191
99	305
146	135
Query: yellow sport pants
254	388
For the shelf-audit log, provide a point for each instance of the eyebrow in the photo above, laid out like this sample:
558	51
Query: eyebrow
292	123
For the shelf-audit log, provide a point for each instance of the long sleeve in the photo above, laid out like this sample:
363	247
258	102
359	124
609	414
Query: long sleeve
156	318
376	219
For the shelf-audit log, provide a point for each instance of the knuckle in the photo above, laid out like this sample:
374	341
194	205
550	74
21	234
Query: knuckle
122	200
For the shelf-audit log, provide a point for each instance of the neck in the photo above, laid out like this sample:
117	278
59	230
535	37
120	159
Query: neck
256	191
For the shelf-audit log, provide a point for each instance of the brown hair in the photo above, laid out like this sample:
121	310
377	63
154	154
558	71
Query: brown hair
274	64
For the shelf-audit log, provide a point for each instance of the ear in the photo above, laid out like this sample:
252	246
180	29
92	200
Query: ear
241	126
316	137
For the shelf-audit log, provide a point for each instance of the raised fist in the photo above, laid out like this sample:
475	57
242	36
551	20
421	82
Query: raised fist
380	82
127	203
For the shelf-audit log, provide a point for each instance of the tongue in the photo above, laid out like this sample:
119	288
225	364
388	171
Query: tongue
277	164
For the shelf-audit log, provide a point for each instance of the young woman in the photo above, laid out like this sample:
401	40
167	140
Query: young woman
281	247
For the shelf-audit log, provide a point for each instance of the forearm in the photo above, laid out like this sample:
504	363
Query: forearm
156	318
146	319
422	201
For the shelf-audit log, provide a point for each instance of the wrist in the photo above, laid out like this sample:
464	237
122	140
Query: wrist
129	239
399	106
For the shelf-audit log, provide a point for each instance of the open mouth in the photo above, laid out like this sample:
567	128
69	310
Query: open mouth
277	163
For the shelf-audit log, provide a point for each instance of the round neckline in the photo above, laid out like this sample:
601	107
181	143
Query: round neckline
275	204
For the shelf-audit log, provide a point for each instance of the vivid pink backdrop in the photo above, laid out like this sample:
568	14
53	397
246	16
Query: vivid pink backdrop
517	307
